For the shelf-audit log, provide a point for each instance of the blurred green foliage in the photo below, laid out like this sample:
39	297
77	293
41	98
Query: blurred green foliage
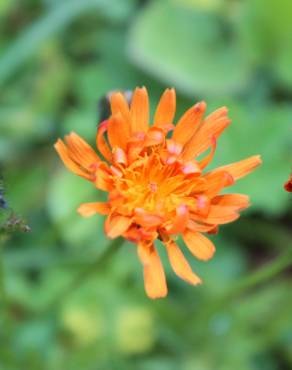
57	59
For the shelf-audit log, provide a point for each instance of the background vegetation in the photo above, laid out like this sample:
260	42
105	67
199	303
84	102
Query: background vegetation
57	311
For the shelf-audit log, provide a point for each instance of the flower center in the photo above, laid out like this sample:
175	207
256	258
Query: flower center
156	187
153	187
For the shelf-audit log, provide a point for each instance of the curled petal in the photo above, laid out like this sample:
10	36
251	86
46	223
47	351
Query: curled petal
180	265
147	219
154	136
103	177
165	111
180	220
189	123
135	146
200	246
136	234
139	110
205	161
154	276
90	209
202	139
115	225
119	156
101	142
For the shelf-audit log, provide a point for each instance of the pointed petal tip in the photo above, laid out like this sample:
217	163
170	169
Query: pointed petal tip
259	159
171	90
58	143
157	296
85	211
224	110
196	281
200	107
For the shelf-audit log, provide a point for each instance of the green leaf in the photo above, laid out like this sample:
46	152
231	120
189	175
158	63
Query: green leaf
187	48
265	34
66	192
55	20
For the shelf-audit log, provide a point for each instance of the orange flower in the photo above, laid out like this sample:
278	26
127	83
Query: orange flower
288	184
156	185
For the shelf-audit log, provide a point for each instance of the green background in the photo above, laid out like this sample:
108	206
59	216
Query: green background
57	59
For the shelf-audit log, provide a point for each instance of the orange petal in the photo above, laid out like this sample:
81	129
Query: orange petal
190	167
203	205
214	230
180	265
205	161
147	219
118	131
216	181
119	105
154	276
203	138
199	226
103	179
90	209
218	113
63	152
221	215
154	136
241	168
115	225
180	220
119	156
80	151
200	246
173	147
101	142
189	123
238	201
140	110
165	111
78	156
135	234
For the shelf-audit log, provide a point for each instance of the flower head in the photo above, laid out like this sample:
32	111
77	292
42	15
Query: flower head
156	180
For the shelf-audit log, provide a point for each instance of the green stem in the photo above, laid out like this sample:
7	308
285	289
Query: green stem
86	272
251	281
264	274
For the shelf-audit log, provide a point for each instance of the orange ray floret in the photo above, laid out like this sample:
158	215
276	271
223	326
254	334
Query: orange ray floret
155	181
